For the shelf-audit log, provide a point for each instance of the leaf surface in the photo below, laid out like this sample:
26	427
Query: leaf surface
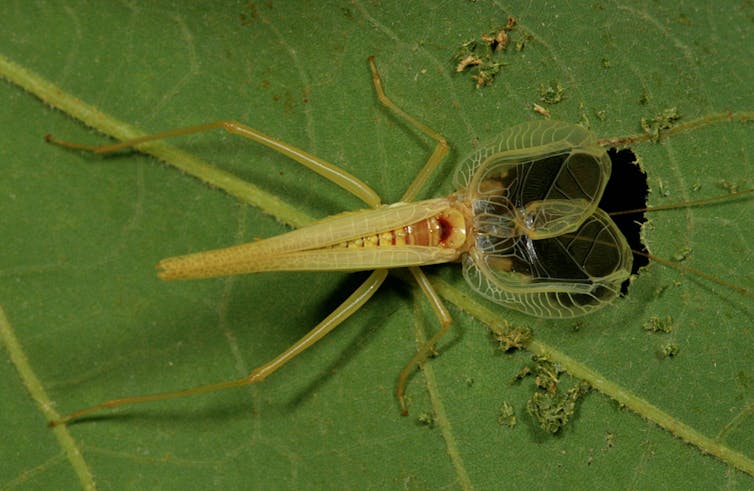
81	235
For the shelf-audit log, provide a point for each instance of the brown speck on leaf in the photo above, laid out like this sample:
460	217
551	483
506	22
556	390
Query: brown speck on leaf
480	56
497	41
541	110
470	60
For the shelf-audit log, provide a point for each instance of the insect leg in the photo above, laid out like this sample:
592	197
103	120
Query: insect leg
428	347
353	303
437	155
329	171
343	312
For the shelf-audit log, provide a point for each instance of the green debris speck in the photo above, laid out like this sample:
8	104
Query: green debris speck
525	39
426	419
659	324
731	187
552	93
553	410
682	254
662	189
522	374
669	350
512	338
661	290
507	416
664	121
486	74
550	405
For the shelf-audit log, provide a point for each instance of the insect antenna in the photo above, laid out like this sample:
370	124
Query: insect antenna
674	264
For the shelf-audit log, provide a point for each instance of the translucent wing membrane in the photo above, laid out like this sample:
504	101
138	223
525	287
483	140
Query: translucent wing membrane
550	175
541	244
565	276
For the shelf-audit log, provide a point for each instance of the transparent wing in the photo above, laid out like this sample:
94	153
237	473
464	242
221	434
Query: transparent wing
544	178
564	276
541	245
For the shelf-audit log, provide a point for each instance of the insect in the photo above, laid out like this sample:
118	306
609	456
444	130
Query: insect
524	223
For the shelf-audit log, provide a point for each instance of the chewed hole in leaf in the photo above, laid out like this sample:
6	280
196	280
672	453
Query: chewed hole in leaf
627	189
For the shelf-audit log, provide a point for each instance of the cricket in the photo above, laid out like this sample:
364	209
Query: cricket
524	224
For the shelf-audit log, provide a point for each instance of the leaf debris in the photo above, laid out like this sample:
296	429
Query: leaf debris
426	419
731	187
682	254
507	416
663	121
512	338
480	57
669	350
658	324
550	406
552	93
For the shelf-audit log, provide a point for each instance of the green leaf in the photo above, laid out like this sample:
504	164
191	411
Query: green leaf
81	235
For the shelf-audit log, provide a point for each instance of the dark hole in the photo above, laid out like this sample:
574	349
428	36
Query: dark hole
627	190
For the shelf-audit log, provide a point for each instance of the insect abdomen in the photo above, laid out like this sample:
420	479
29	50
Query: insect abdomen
447	229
